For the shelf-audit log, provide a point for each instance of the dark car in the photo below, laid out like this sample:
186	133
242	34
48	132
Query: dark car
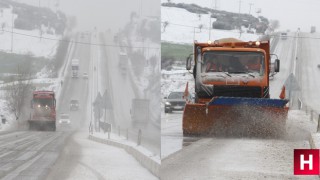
174	102
74	105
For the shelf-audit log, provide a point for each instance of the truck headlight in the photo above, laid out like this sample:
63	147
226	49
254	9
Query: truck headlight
168	104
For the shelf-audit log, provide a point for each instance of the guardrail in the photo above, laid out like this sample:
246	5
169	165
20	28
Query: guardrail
121	132
314	114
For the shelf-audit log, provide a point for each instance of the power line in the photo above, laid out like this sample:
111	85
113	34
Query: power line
79	42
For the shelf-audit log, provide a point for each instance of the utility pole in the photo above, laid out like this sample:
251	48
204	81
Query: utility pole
141	8
210	23
250	4
215	4
12	31
240	6
240	1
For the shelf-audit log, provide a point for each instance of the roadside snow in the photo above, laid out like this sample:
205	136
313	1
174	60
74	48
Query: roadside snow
25	42
124	141
175	80
6	114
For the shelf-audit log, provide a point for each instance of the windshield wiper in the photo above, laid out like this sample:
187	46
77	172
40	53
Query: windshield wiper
238	72
251	74
227	73
243	72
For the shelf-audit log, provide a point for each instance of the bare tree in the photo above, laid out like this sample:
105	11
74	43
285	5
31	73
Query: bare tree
17	93
274	24
71	23
165	24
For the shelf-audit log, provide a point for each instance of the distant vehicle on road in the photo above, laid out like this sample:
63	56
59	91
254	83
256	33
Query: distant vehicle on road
74	105
43	113
75	67
318	65
64	120
283	35
313	29
123	58
85	75
174	102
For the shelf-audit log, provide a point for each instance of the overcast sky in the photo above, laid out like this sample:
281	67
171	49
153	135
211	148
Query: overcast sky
291	13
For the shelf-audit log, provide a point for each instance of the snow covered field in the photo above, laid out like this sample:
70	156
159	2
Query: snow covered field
283	10
183	27
25	42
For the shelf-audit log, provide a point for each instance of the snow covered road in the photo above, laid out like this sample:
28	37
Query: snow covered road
68	153
245	158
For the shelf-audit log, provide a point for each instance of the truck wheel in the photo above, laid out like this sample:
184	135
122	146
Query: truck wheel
30	126
53	127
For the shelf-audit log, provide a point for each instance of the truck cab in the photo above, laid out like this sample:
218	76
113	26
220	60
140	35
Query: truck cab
43	110
232	69
75	67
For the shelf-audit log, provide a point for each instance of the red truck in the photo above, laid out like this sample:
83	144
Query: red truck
43	114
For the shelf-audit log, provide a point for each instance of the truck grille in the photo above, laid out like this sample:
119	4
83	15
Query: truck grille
233	91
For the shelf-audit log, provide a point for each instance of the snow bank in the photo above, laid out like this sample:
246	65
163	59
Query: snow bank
144	156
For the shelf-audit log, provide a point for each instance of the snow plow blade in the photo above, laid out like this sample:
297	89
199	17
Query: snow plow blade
42	125
236	117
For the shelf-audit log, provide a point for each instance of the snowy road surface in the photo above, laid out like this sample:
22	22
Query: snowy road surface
247	158
67	153
123	89
222	158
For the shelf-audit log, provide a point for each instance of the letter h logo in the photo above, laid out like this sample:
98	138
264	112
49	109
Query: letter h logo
306	162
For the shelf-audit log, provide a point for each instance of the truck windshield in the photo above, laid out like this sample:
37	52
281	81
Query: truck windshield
233	62
43	102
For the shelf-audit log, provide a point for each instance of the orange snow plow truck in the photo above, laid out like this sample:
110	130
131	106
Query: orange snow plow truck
232	90
43	114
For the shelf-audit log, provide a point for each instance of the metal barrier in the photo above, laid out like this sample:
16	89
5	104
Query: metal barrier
107	128
318	129
313	114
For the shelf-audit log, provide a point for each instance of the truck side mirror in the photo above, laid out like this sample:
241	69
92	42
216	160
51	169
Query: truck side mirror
188	62
277	65
31	103
54	103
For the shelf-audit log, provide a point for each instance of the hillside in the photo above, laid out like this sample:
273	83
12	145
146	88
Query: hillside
226	20
183	27
29	30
